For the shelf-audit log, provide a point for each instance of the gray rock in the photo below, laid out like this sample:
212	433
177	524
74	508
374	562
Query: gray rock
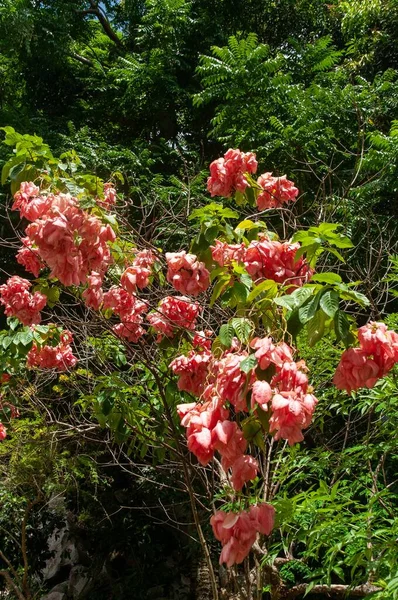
59	592
79	581
63	551
55	596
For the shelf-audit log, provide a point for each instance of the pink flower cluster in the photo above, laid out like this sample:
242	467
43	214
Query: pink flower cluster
200	420
202	339
208	430
237	532
138	274
276	191
224	254
94	294
362	367
193	371
29	202
288	394
58	357
227	174
3	432
69	240
19	302
186	273
231	380
130	310
29	258
266	259
173	313
109	194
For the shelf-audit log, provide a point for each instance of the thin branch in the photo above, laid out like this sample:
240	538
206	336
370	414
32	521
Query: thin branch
336	590
106	26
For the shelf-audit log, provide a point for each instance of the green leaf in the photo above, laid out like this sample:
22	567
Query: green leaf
294	325
326	278
336	253
226	334
296	298
329	302
211	233
252	428
6	342
307	311
243	329
245	225
316	328
267	289
228	213
219	288
286	302
240	292
26	337
248	363
357	297
341	241
341	327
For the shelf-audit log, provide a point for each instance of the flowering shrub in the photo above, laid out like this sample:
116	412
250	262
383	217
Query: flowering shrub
243	386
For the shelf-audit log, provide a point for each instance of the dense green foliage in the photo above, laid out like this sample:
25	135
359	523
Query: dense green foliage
147	93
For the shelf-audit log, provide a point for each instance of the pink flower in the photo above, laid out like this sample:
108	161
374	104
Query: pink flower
263	517
3	432
291	413
290	377
193	371
173	313
186	273
123	303
130	310
267	353
356	370
93	295
31	205
261	394
276	191
58	357
202	339
19	302
224	254
244	469
110	196
203	415
199	443
376	340
29	258
268	259
231	381
200	420
228	439
227	174
70	241
135	276
236	532
144	258
222	524
131	330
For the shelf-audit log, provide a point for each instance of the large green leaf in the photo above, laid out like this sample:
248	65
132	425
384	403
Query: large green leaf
226	334
329	302
316	328
243	329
